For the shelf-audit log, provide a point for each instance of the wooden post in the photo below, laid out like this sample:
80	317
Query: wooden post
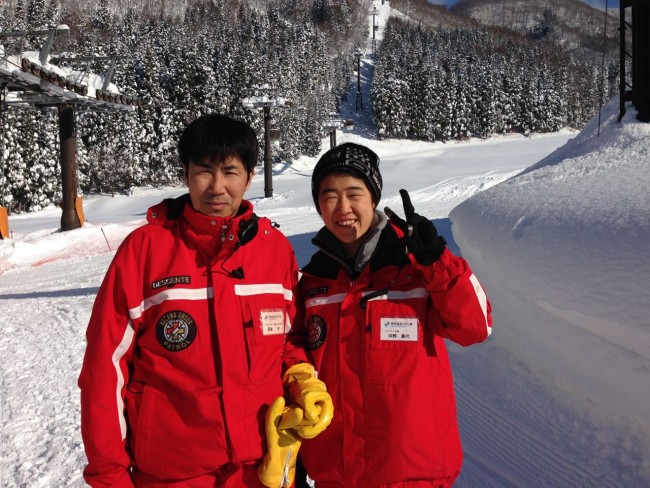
4	215
68	138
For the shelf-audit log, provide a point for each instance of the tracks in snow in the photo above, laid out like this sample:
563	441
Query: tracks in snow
517	434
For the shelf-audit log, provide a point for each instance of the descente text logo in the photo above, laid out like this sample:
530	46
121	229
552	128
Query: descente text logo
171	281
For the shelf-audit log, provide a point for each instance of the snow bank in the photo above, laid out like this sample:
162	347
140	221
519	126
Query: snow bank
562	249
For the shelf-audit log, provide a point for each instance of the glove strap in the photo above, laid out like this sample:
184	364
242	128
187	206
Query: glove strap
285	470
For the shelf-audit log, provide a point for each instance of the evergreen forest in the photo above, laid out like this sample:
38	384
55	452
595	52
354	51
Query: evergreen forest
184	59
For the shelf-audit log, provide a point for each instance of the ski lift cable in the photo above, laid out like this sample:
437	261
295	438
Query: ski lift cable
20	39
602	68
9	62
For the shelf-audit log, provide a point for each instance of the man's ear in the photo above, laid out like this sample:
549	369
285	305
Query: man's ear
251	173
185	174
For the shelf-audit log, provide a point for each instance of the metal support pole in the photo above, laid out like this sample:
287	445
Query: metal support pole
268	169
374	28
641	53
332	138
269	99
623	55
109	74
45	52
68	139
359	103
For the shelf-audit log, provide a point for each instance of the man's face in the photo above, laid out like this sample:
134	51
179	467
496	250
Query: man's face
347	209
217	190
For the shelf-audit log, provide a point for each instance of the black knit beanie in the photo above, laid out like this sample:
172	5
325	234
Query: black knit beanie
354	159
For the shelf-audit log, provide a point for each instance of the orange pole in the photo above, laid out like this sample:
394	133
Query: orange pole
4	223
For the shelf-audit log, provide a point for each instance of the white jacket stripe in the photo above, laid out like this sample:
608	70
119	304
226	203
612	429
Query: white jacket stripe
314	302
206	293
263	289
173	294
482	300
118	354
391	295
400	295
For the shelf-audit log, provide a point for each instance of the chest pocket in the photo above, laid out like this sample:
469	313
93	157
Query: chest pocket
394	337
265	321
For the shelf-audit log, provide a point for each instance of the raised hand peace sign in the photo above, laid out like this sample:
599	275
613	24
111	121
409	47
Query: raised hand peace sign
421	236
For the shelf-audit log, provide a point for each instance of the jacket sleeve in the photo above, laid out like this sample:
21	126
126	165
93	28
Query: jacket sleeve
294	347
104	374
458	299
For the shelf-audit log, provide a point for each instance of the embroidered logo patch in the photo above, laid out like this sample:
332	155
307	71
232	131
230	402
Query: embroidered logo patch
176	330
316	332
171	281
321	290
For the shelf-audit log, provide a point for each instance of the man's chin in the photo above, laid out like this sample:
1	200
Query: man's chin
347	237
216	210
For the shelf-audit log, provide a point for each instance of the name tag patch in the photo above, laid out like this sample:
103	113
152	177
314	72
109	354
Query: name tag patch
272	321
399	329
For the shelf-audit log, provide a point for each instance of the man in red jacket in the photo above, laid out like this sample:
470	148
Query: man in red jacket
186	342
378	300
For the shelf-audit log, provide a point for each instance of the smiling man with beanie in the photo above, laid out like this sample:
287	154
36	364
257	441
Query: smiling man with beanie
377	301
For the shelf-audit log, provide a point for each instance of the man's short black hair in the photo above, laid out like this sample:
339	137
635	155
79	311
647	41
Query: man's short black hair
214	138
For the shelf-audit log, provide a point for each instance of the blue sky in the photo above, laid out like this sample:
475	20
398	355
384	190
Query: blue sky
593	3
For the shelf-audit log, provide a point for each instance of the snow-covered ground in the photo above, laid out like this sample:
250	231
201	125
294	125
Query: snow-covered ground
556	227
557	397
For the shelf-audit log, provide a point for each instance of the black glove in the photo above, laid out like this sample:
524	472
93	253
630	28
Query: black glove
421	236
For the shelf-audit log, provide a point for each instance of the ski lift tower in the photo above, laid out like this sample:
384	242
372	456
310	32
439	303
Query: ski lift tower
265	98
359	103
374	13
29	79
639	89
332	123
10	81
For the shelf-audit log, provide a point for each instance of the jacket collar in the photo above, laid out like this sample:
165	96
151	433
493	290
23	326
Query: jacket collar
381	247
216	230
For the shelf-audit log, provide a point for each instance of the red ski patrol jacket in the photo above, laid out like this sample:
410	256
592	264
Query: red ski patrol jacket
185	346
377	341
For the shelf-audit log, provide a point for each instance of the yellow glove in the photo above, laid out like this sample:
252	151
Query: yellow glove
278	468
310	394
